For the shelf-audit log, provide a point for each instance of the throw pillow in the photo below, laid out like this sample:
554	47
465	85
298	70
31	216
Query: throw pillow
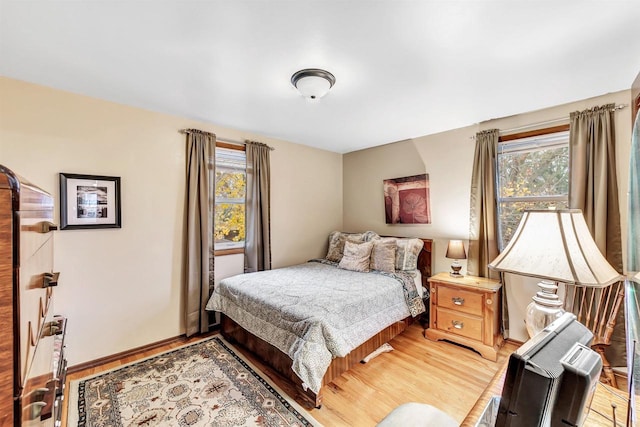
356	256
368	236
337	240
407	253
383	255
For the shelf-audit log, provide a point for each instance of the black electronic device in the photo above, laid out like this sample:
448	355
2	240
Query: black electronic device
551	379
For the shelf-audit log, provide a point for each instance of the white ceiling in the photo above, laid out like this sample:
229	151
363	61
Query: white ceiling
403	68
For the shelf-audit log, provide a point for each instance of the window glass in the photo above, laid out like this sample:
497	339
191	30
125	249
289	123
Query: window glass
533	173
231	182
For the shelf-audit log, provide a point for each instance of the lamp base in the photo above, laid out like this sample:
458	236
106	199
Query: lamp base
544	309
455	269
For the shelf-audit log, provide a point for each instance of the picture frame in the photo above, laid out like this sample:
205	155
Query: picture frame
407	200
89	201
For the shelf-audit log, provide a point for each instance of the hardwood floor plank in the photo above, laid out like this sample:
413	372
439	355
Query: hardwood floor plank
442	374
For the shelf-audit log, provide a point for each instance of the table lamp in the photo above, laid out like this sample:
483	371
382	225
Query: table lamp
555	246
455	251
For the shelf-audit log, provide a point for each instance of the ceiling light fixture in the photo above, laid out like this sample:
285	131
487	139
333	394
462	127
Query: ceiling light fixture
313	83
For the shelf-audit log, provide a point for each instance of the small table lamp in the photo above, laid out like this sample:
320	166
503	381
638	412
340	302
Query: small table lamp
556	246
455	251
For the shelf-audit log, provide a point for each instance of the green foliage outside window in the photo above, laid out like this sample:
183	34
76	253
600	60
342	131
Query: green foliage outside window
231	182
535	173
530	177
230	222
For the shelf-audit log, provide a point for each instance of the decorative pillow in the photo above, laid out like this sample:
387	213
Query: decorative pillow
337	240
369	236
356	256
383	255
407	252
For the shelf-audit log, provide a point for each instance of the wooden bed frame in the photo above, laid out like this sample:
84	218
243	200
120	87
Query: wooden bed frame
281	363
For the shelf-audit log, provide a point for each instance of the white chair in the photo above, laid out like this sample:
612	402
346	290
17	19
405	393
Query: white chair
417	415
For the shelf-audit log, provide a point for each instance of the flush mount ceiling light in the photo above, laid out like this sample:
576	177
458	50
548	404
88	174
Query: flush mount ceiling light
313	83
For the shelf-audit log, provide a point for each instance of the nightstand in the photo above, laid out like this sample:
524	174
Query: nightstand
466	311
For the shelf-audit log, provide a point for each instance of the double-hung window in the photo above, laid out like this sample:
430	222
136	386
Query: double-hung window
231	183
532	173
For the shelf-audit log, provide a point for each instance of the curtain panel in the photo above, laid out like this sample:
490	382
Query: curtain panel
258	208
199	258
483	237
483	222
633	217
593	188
593	185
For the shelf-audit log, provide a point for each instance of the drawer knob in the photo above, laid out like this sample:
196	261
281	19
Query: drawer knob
43	227
50	279
48	226
489	301
33	410
457	300
457	324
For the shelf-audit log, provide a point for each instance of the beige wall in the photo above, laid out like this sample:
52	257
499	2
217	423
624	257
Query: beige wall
121	288
448	157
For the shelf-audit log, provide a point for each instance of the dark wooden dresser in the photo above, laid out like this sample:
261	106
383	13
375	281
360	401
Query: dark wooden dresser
32	363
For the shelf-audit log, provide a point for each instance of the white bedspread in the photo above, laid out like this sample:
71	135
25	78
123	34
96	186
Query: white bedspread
314	312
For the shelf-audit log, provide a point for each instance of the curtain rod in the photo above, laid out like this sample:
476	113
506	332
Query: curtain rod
188	131
228	141
549	122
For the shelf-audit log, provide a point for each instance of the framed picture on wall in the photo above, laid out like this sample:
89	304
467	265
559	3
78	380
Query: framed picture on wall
406	200
89	201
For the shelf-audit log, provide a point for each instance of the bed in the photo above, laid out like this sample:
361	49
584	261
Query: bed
314	321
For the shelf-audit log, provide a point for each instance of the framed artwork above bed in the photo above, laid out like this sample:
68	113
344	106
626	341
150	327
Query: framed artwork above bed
406	200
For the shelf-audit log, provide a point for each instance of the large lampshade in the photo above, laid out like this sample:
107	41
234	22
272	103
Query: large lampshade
556	245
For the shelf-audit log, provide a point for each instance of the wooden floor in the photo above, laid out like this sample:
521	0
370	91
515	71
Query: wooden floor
442	374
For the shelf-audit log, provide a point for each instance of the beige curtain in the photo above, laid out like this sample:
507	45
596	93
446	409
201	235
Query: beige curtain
257	212
633	215
483	231
593	188
199	259
483	236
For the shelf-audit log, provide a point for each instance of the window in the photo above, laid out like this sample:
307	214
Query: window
533	173
231	183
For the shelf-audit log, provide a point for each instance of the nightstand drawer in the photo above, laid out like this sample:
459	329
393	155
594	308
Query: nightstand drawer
460	300
459	323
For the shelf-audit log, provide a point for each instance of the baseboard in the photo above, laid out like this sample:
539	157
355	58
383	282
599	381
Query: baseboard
123	354
514	342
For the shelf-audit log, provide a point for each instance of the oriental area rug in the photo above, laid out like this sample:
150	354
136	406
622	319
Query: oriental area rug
207	383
